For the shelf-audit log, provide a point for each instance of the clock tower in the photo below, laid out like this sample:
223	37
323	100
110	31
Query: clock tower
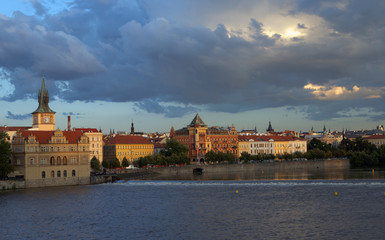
43	118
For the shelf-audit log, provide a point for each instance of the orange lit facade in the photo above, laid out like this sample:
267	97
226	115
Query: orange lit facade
200	139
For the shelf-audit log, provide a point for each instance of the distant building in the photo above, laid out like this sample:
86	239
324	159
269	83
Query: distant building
127	146
200	139
96	142
273	144
377	140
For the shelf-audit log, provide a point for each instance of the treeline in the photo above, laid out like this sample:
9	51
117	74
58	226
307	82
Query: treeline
174	153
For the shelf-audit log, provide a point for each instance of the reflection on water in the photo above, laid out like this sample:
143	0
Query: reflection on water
279	174
264	209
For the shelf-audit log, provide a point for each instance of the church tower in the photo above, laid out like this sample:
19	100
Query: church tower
43	117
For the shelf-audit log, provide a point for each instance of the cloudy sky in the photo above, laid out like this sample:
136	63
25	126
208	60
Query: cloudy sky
297	63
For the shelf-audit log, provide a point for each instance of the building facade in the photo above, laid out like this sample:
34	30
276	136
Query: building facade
95	138
127	146
200	139
44	156
51	158
377	140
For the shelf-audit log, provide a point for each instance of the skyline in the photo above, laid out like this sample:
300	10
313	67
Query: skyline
296	63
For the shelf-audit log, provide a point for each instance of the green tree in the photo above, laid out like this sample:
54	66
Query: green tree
105	163
5	156
115	163
125	162
175	147
245	156
95	164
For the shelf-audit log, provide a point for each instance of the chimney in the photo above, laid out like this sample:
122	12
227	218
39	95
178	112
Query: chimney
69	123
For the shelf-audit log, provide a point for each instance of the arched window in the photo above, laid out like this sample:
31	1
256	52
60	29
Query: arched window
65	173
65	161
58	173
73	173
52	174
43	174
52	161
58	162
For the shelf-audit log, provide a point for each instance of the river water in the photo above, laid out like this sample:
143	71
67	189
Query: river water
180	209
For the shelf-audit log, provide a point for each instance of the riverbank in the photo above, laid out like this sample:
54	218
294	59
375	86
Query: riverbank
331	169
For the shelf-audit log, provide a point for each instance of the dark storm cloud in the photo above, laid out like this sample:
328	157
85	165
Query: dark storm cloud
117	51
12	116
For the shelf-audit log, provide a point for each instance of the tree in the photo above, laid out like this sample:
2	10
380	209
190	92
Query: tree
115	163
245	156
95	164
175	147
125	162
105	163
5	156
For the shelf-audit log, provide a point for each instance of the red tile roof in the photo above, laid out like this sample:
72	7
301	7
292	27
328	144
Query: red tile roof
128	139
86	129
43	137
267	138
375	137
6	128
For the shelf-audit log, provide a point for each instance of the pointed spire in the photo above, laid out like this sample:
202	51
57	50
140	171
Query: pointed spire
172	132
270	128
43	99
197	121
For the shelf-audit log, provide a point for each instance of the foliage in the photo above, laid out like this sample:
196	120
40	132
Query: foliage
125	162
5	156
95	164
218	157
245	157
115	163
105	163
174	147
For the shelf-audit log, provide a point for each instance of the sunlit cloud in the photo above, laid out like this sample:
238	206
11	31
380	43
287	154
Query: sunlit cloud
332	92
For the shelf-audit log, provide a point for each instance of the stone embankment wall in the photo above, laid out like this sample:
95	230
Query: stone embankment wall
11	184
319	165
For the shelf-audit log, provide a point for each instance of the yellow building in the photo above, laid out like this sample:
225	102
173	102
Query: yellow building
243	146
127	146
95	138
51	158
44	156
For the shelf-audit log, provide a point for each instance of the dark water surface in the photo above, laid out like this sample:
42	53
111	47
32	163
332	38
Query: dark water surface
263	209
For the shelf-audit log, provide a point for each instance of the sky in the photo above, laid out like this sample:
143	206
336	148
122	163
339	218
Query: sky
107	63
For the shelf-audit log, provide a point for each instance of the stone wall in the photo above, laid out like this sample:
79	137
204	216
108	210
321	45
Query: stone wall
11	184
49	182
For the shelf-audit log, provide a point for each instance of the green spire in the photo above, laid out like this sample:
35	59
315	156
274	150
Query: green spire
43	100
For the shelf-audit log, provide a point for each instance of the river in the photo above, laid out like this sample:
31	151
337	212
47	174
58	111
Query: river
199	209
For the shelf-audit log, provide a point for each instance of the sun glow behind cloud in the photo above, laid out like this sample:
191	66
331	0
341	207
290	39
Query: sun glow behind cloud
332	92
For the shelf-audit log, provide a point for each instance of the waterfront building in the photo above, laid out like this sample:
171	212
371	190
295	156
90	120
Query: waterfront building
43	156
200	139
127	146
96	142
274	144
51	158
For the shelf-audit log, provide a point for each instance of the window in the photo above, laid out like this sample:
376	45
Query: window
73	160
65	173
58	174
31	161
43	174
43	161
52	174
58	161
52	161
65	161
73	173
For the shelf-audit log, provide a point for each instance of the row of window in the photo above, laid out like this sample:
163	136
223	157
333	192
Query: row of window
53	161
147	146
58	174
133	153
56	149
